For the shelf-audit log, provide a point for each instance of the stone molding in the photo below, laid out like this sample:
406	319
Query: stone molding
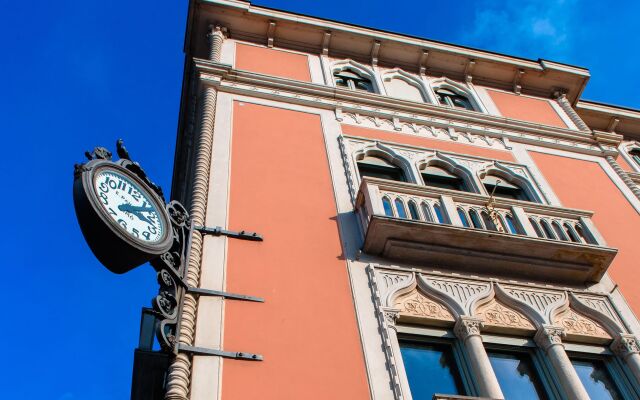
494	314
399	112
467	326
549	335
576	325
418	308
625	345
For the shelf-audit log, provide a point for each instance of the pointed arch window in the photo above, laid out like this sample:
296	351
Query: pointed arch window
436	176
413	210
463	218
449	98
475	220
402	213
377	167
350	79
500	187
386	204
635	154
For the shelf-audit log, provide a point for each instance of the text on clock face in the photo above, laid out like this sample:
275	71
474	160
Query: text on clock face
130	207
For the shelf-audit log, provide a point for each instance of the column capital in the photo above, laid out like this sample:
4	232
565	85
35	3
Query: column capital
391	317
466	327
217	30
625	345
549	335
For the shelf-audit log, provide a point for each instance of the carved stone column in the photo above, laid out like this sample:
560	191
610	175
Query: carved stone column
179	377
561	98
627	348
400	383
467	329
549	338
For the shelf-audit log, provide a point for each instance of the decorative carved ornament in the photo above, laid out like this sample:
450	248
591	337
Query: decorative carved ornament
417	308
578	326
466	327
548	336
498	317
625	345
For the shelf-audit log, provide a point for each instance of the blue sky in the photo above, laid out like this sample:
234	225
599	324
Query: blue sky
78	74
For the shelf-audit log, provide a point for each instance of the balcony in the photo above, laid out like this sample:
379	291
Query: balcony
446	228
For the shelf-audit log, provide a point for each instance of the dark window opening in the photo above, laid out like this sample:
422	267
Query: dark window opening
506	190
376	167
635	154
449	98
441	178
352	80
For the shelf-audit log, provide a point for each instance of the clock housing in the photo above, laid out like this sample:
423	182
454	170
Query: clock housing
123	220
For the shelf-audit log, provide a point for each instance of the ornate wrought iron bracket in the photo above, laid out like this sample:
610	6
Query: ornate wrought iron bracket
226	295
218	231
201	351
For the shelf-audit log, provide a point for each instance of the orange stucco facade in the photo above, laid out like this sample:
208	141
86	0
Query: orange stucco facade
306	328
283	64
526	108
431	219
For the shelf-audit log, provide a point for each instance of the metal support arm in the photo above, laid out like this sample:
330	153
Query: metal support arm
202	351
226	295
218	231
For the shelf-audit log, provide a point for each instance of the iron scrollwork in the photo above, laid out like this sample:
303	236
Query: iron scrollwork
170	268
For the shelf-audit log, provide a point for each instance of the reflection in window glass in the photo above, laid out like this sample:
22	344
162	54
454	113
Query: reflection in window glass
596	379
438	211
431	369
400	209
413	210
388	211
463	218
517	376
511	224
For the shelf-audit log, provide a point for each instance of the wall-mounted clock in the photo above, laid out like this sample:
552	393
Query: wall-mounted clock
122	219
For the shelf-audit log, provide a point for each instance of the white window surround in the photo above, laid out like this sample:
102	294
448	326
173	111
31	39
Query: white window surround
496	168
461	303
418	84
625	151
357	67
461	89
450	164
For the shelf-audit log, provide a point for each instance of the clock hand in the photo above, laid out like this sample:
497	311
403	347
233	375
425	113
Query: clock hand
137	211
130	208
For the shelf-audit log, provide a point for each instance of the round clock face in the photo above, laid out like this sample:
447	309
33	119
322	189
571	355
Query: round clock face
129	205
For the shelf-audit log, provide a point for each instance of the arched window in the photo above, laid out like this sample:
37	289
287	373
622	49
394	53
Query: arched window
635	154
413	210
511	224
436	176
488	222
548	232
439	215
449	98
402	213
350	79
475	220
573	236
559	232
536	227
386	204
377	167
463	217
582	235
501	188
402	89
426	210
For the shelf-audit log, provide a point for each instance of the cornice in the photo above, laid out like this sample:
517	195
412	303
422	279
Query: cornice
320	36
344	101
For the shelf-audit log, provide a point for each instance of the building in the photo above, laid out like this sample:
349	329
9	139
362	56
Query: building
437	219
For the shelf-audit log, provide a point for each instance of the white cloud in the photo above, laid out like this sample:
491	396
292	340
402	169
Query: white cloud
529	28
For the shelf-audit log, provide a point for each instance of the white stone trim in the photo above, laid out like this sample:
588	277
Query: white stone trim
463	89
411	79
486	99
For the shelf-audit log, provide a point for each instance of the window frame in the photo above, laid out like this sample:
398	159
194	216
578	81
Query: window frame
620	374
442	337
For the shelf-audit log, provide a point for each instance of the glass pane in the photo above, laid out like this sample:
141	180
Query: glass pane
375	171
402	213
511	224
413	210
475	220
596	379
438	211
430	369
517	376
388	211
463	217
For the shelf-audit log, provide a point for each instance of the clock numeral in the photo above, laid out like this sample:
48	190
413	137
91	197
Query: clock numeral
111	212
123	223
104	198
104	187
135	232
152	229
112	184
146	235
135	195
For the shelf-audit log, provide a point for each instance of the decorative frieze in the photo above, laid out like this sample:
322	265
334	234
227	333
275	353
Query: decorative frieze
577	326
498	317
417	308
